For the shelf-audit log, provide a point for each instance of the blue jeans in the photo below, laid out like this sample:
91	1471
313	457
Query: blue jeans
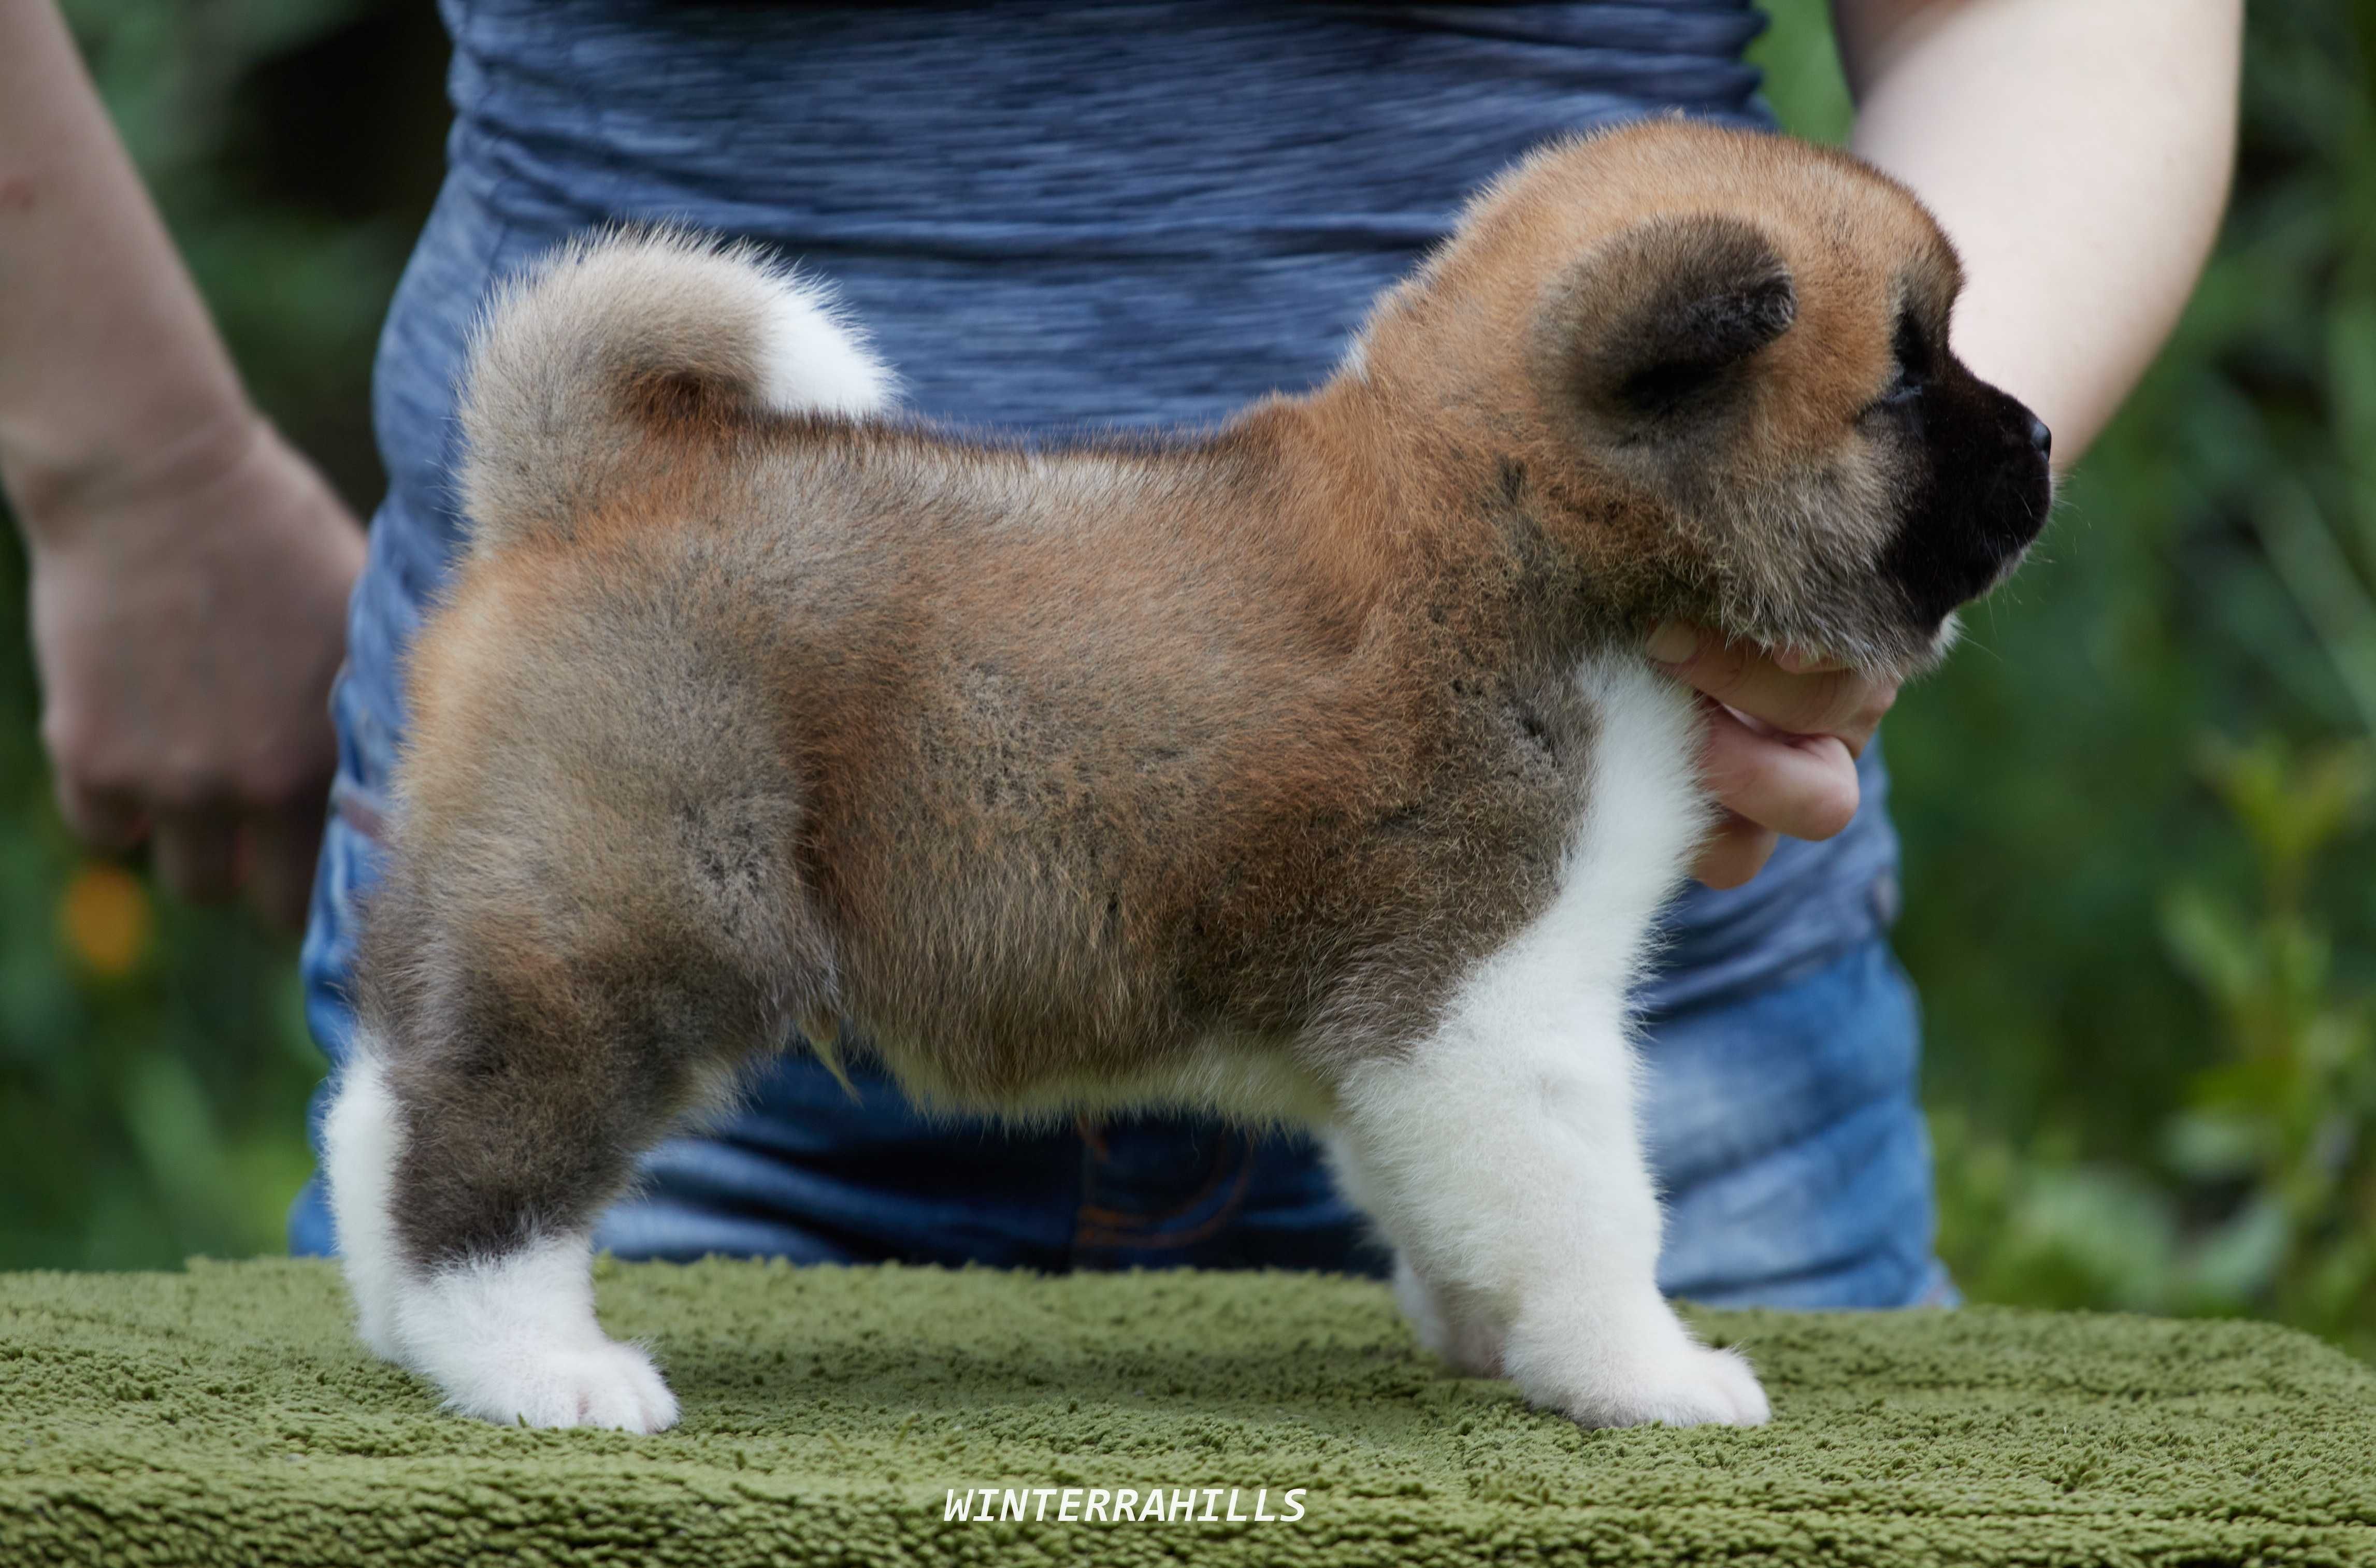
1782	1121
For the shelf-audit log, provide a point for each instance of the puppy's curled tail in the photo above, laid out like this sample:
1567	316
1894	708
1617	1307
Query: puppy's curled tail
580	359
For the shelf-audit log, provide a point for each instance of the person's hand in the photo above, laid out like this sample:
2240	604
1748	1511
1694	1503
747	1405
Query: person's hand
186	624
1784	732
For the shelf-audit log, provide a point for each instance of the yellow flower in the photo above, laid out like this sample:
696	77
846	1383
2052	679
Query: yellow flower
103	918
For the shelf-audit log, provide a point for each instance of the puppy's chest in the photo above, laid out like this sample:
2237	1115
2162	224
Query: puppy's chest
1503	768
1524	794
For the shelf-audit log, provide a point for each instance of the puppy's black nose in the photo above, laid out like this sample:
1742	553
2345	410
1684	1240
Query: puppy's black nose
2040	437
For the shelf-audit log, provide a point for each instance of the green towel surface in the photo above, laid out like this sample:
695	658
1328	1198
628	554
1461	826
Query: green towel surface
226	1415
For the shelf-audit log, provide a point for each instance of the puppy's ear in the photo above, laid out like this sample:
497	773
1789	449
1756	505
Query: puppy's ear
1656	323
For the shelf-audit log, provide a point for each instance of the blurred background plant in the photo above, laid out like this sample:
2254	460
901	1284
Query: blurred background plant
2134	806
154	1063
2137	900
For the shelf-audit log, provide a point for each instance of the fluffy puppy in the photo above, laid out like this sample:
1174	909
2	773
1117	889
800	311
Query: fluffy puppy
1305	770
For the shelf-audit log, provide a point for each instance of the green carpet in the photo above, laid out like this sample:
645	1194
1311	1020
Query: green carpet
222	1416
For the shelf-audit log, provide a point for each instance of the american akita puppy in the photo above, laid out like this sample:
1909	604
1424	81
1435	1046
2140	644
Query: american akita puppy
1306	770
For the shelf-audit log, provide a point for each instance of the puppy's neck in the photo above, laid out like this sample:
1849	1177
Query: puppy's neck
1396	506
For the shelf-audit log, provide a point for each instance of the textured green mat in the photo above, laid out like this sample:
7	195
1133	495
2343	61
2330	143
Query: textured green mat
223	1417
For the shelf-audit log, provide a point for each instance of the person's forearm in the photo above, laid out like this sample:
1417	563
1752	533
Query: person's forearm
110	372
2077	154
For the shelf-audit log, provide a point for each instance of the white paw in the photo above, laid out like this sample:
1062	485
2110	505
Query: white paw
603	1384
1672	1380
1728	1373
513	1339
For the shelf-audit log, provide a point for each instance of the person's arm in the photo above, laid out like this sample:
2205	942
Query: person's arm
189	570
2078	156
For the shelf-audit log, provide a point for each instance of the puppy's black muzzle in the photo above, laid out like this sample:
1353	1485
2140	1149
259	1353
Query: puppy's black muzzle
1982	499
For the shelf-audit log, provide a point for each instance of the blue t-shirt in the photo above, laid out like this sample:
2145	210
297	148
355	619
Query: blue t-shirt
1050	214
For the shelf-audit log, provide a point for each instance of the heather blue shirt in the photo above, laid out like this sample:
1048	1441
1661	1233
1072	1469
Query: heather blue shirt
1050	216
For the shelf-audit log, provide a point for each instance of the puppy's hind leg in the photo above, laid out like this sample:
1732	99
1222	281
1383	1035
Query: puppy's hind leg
517	1056
485	1122
498	1312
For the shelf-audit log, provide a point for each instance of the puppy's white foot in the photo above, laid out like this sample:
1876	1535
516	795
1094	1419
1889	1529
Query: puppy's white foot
600	1385
513	1339
1666	1379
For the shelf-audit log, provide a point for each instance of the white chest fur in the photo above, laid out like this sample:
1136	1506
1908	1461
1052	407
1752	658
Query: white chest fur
1502	1156
1646	813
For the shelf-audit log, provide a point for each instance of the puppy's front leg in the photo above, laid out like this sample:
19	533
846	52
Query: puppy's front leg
1464	1332
1501	1157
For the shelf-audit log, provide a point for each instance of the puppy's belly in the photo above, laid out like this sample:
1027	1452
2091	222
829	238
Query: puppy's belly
1249	1079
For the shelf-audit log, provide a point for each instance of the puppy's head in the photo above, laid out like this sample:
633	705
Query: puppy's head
1720	362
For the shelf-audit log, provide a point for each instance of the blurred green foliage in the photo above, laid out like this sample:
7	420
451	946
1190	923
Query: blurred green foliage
154	1061
2135	803
2136	893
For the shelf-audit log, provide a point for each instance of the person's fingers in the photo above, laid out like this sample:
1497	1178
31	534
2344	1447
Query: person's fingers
109	820
1802	785
194	852
278	851
1737	850
1827	700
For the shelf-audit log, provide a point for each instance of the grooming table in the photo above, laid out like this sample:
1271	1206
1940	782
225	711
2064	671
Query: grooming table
225	1416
